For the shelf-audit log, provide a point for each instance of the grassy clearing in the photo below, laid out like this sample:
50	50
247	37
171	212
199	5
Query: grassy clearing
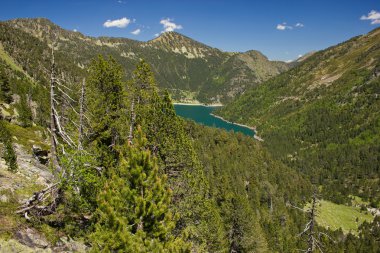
9	60
358	201
334	216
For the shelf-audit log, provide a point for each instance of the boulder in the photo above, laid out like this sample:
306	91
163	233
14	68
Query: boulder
40	154
32	238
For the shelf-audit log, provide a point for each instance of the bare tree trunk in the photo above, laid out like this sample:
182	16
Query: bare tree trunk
133	118
311	239
53	127
81	112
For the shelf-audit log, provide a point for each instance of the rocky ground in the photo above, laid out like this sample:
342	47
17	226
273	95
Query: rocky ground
16	233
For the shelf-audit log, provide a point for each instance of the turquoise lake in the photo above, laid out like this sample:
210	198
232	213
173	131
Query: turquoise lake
201	114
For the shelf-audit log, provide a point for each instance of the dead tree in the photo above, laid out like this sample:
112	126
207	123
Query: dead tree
53	119
46	201
312	236
81	115
133	119
312	241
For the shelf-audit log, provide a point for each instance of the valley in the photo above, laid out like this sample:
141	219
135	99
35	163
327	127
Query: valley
203	115
111	144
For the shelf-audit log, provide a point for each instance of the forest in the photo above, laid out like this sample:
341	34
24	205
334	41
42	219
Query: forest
131	176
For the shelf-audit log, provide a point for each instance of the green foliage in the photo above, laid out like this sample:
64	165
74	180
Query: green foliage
322	118
133	213
25	113
5	89
81	185
347	218
211	75
251	190
105	102
8	152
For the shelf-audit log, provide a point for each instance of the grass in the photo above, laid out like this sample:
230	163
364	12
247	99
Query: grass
358	201
334	216
9	60
28	136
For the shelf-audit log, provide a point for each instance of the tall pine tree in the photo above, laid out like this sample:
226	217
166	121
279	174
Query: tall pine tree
105	102
133	213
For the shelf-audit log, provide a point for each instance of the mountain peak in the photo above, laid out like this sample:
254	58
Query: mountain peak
181	44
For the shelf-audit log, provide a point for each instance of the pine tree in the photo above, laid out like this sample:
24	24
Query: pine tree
26	117
133	213
105	101
5	90
142	92
8	153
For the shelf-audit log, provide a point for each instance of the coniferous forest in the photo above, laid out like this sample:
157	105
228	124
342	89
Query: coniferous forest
95	159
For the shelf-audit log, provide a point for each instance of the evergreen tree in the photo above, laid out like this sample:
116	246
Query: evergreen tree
133	213
25	113
143	83
5	89
8	153
105	102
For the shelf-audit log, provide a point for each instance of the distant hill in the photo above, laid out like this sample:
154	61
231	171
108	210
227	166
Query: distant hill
322	117
190	70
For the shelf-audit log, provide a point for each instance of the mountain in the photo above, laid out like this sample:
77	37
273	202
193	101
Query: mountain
228	194
190	70
177	186
322	117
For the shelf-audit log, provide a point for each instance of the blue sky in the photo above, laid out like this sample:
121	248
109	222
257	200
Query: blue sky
282	30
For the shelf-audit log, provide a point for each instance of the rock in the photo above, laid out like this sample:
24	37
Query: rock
67	245
7	106
16	99
5	115
32	238
40	154
3	198
10	246
376	72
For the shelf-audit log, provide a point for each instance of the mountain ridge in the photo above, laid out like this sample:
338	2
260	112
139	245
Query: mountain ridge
322	116
190	70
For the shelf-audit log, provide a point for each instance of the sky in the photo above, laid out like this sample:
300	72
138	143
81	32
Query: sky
282	30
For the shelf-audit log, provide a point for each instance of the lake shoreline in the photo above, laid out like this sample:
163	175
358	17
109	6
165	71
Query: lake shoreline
238	124
255	136
198	104
203	115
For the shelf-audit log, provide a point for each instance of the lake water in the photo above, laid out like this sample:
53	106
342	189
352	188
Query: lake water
201	114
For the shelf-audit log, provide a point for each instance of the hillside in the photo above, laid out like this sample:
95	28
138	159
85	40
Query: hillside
174	186
250	188
322	117
190	70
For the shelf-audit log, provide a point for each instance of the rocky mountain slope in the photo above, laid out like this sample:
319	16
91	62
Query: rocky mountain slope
322	117
190	70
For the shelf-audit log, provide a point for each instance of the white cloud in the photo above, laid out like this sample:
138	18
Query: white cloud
280	27
136	32
121	2
283	27
119	23
156	35
300	55
169	25
374	16
75	30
